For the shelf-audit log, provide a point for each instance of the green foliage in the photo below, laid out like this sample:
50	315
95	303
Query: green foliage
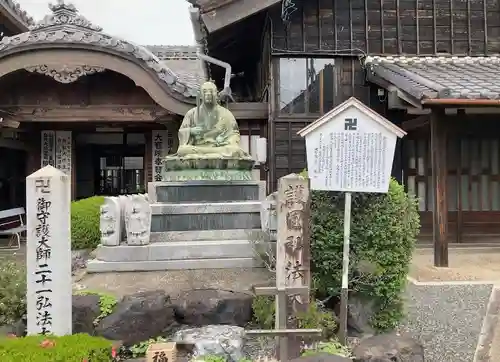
211	358
331	347
263	311
139	349
74	348
85	214
314	317
12	292
107	303
384	228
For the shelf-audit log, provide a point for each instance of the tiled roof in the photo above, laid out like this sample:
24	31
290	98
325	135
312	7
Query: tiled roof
65	26
17	12
448	77
209	5
182	60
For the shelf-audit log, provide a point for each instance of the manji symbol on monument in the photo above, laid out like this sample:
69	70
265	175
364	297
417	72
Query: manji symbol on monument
350	124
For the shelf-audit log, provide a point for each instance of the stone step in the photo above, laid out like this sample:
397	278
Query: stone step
206	208
201	235
98	266
174	251
240	219
206	191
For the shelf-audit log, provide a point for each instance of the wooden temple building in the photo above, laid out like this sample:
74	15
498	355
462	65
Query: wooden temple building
106	110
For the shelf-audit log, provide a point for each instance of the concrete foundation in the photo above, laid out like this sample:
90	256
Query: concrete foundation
194	225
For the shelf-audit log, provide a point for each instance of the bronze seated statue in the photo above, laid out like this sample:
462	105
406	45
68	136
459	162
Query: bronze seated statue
209	139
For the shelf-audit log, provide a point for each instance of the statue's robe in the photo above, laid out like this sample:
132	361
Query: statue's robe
218	123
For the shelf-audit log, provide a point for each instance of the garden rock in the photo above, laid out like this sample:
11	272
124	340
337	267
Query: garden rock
389	347
18	329
220	340
202	307
360	313
358	317
85	309
139	317
322	357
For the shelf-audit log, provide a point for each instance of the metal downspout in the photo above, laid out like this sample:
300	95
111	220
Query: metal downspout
194	14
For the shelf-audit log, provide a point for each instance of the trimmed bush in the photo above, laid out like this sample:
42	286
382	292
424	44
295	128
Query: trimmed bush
74	348
384	228
85	214
12	292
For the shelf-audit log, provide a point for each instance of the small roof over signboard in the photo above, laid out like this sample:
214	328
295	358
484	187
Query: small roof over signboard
352	102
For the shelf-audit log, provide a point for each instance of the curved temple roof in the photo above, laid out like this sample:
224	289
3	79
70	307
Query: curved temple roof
65	26
15	10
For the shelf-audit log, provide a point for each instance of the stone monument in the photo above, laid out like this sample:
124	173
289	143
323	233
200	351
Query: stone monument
110	222
209	144
138	220
205	209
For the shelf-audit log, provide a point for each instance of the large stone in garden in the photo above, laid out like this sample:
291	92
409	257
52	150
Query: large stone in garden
216	340
202	307
322	357
18	329
389	347
358	318
139	317
85	310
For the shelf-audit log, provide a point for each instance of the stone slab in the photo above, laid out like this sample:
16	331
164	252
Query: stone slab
186	222
182	250
206	208
194	235
96	266
188	175
206	191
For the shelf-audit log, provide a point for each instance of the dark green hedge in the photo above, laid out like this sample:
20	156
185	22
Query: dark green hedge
384	228
74	348
85	218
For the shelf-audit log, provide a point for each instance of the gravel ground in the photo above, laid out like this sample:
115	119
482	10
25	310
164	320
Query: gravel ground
465	264
447	319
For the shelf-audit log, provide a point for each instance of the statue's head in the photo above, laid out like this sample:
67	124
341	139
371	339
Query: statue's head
209	93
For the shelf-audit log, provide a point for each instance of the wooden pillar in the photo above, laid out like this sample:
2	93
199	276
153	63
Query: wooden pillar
439	183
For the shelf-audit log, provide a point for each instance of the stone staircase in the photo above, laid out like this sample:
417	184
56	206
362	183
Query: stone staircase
194	225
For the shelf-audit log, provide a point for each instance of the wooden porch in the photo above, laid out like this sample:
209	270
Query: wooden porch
467	145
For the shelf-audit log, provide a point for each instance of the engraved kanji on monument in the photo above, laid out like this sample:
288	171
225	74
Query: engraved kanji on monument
292	265
48	254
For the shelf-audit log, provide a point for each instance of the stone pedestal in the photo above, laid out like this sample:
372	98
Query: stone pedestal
222	169
194	225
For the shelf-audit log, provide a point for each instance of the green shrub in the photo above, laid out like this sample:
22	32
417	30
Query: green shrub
12	292
331	347
74	348
85	218
107	303
384	228
264	316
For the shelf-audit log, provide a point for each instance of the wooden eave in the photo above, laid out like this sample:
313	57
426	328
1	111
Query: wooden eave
232	12
16	22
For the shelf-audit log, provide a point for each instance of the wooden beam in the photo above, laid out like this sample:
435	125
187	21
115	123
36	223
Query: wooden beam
76	113
284	332
234	12
415	123
249	110
439	178
274	290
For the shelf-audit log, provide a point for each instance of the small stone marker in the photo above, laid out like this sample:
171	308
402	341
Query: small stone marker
48	254
350	149
292	264
162	352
